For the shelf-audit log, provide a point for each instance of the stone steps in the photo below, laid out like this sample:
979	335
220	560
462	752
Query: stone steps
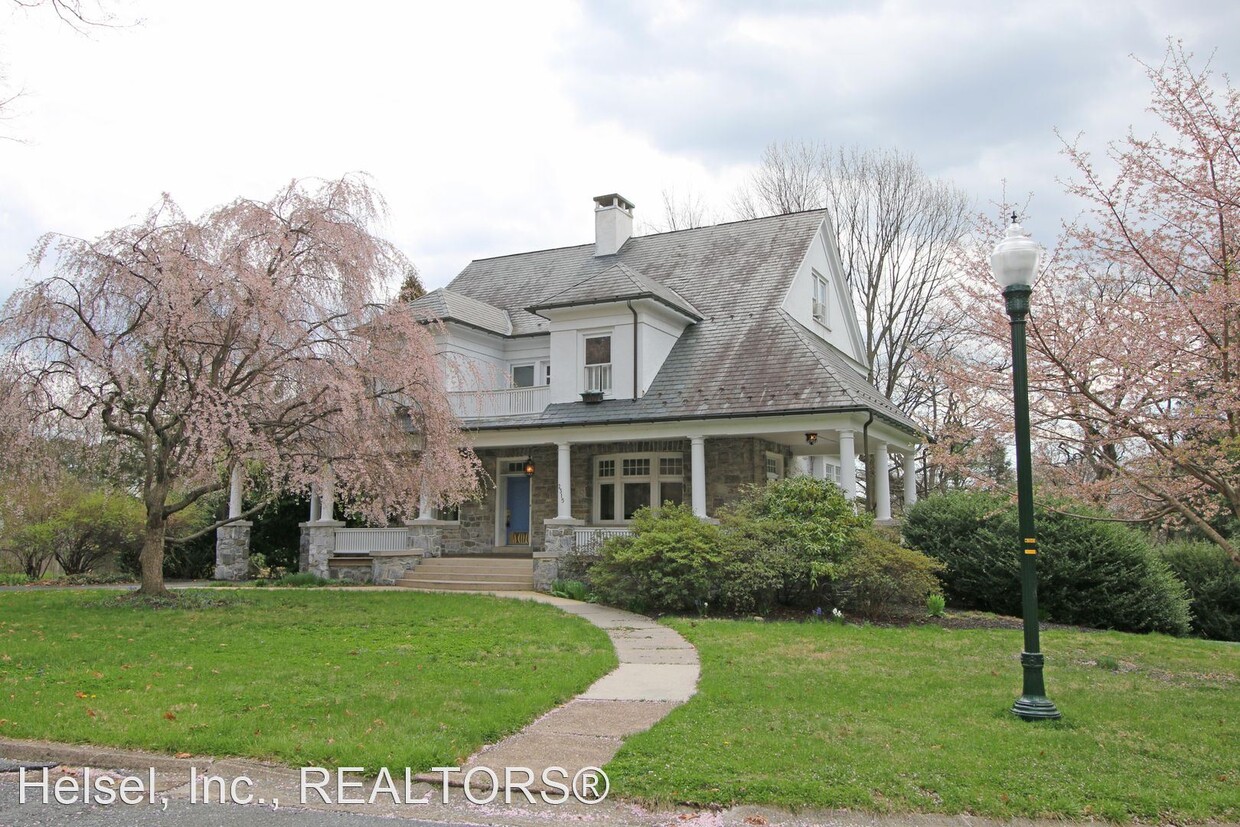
465	574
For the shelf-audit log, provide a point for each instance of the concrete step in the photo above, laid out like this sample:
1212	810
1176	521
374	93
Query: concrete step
482	565
419	574
467	585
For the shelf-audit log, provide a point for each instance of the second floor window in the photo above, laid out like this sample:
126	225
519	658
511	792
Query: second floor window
523	376
598	363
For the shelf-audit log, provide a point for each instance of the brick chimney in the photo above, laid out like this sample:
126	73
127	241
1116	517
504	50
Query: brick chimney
613	223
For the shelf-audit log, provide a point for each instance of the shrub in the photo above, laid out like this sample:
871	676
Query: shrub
97	525
879	574
959	530
806	524
1213	581
570	590
1090	572
936	605
756	565
671	563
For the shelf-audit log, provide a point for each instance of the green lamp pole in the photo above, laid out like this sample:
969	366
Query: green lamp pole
1014	263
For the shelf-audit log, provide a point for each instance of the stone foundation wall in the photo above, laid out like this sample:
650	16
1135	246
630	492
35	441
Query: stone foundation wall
389	566
232	551
351	572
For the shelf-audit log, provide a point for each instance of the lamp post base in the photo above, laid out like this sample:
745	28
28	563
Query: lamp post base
1035	708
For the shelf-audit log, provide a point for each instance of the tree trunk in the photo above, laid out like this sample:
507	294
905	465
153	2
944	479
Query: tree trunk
152	557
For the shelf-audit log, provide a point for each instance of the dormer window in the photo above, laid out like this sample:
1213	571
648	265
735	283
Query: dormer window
820	304
598	363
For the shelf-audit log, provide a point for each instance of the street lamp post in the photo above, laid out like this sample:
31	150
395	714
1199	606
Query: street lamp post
1014	263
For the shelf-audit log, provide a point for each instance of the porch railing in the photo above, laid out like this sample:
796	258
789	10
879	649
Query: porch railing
364	540
507	402
590	540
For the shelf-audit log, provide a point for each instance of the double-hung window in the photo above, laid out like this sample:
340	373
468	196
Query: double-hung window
598	363
822	292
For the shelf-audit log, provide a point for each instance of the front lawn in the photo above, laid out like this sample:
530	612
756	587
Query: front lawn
317	677
916	719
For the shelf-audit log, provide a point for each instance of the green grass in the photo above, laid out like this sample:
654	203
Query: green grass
916	719
318	677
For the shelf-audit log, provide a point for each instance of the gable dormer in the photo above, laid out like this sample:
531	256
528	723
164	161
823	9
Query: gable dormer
611	332
819	298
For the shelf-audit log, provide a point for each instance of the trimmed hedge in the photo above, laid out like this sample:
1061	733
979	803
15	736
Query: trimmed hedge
1213	580
1090	573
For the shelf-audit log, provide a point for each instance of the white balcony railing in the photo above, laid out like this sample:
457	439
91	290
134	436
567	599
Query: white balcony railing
590	540
509	402
364	540
598	377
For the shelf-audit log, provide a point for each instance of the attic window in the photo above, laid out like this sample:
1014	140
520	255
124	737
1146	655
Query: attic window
820	305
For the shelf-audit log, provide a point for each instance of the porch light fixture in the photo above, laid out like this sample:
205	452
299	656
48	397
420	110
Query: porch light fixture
1014	263
529	467
811	438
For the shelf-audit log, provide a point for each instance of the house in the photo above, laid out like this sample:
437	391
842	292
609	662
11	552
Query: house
636	370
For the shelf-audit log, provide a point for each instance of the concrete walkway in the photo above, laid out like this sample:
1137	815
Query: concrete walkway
658	672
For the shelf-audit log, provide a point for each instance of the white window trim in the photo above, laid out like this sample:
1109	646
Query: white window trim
582	383
655	479
779	464
820	308
833	472
512	367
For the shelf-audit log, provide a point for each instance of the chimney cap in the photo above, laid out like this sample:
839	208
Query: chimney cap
613	199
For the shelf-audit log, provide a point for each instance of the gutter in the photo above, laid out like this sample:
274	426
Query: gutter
632	310
865	447
738	415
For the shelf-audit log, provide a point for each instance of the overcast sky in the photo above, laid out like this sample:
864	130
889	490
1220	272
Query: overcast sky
489	127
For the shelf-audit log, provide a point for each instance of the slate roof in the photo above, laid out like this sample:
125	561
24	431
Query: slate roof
744	357
447	304
615	284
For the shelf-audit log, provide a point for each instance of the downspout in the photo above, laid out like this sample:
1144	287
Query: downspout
635	363
865	447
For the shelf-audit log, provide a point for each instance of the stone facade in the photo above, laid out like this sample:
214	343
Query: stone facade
351	570
731	463
389	566
430	537
232	551
318	544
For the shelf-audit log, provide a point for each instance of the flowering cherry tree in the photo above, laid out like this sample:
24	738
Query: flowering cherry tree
254	337
1133	336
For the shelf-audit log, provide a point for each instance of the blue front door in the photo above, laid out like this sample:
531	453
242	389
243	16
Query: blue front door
517	502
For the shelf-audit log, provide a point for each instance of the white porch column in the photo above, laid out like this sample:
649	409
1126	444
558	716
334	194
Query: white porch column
910	478
818	467
234	492
327	507
697	469
882	482
848	465
316	507
424	506
564	481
